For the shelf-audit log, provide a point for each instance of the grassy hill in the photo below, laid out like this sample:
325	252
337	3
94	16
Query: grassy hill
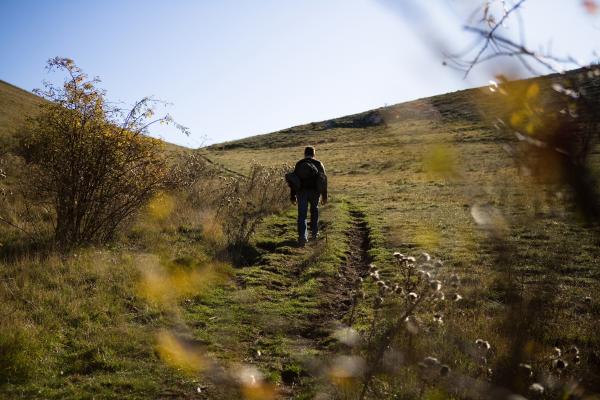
15	105
418	176
422	172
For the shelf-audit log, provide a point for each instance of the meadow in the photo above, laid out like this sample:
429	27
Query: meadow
169	310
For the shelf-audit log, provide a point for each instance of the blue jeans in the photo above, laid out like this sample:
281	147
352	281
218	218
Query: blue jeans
304	198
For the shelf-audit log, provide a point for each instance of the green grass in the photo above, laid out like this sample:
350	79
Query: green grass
82	315
411	207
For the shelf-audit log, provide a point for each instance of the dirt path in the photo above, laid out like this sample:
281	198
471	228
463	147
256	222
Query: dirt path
356	265
282	310
336	295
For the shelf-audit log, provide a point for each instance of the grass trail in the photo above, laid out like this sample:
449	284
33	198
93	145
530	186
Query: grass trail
278	313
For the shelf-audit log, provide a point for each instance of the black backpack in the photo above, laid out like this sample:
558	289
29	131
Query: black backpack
307	175
307	172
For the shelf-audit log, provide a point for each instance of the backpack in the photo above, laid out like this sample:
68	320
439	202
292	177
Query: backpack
307	175
307	172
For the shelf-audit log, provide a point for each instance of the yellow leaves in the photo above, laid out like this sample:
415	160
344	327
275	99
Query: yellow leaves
252	384
527	116
516	118
179	354
345	372
427	237
440	161
161	206
533	91
166	286
259	392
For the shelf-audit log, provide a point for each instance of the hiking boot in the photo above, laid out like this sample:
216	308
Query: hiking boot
301	242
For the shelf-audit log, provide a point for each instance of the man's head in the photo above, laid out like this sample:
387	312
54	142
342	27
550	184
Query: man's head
309	151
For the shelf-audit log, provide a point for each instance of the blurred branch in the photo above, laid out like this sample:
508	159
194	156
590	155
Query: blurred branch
490	36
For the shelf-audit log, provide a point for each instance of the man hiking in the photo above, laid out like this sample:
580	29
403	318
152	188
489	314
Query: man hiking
310	185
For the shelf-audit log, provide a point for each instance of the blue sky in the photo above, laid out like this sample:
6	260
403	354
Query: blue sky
238	68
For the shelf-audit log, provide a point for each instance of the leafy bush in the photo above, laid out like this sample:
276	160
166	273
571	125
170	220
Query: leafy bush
91	162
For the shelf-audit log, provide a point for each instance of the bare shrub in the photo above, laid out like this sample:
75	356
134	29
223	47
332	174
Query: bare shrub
89	161
191	170
245	201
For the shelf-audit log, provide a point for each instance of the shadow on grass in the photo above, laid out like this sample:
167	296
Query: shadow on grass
18	248
241	255
277	246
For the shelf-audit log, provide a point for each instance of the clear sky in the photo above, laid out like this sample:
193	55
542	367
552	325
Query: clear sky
239	68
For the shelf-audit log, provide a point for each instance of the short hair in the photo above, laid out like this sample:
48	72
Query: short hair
309	151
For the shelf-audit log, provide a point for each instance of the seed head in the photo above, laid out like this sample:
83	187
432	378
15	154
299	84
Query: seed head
410	259
536	389
412	296
483	344
378	301
438	264
435	285
574	350
431	361
587	300
424	257
437	317
398	255
456	297
383	290
412	324
455	280
425	274
526	370
372	267
576	360
380	283
557	352
559	364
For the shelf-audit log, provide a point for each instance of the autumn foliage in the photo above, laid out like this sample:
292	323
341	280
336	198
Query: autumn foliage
90	162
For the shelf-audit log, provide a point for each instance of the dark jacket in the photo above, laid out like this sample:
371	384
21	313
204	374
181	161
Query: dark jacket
310	185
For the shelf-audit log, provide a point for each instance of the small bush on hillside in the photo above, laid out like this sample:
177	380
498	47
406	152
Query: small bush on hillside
91	162
245	201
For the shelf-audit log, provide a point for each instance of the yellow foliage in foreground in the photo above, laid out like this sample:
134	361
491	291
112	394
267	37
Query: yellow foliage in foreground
163	286
178	354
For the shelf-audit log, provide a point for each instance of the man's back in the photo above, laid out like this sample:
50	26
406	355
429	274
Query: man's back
311	183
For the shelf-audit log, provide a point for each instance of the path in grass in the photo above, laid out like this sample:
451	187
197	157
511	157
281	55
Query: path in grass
278	313
354	266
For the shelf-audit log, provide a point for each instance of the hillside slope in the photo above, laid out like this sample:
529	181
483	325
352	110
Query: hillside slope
429	175
435	175
15	105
